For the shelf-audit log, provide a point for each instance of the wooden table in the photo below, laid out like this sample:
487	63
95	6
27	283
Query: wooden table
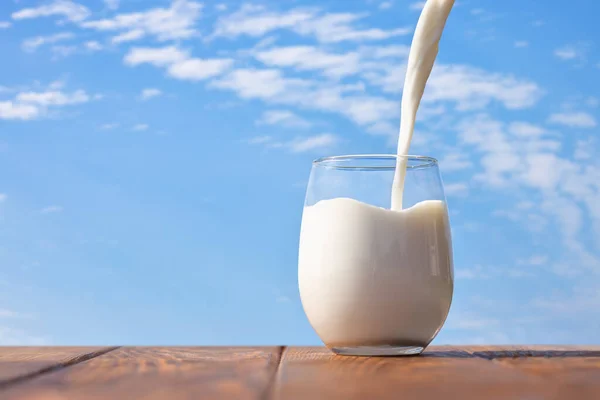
470	372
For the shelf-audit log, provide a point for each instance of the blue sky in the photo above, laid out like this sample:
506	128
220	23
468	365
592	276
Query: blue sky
154	157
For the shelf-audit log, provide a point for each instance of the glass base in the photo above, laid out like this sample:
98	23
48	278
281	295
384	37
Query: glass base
375	351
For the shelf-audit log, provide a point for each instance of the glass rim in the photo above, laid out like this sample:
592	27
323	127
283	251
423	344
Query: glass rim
422	161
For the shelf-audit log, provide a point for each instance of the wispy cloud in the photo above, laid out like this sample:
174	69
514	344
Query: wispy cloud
455	162
51	209
12	110
312	143
385	5
573	52
3	197
5	24
417	5
283	118
109	126
310	58
298	145
178	62
112	4
456	189
68	9
196	69
521	44
141	127
160	57
253	20
173	23
575	119
32	44
150	93
53	98
93	45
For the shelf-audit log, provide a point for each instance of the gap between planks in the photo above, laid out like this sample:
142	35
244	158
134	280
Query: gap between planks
6	383
269	392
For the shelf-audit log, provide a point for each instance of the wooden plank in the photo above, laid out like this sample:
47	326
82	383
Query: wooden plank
21	362
159	373
570	369
309	373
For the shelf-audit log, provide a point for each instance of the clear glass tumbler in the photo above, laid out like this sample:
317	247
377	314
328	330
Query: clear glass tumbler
375	281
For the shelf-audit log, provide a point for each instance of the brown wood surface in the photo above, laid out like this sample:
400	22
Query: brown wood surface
171	373
467	372
22	362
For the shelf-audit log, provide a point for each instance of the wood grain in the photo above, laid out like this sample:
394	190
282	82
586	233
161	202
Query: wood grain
462	373
466	372
22	362
159	373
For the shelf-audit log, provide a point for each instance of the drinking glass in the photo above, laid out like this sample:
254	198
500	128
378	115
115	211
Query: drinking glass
375	281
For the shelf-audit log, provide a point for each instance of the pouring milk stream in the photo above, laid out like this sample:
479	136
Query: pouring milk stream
422	55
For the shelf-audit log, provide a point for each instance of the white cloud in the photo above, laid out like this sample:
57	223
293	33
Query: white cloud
112	4
592	101
178	62
3	197
312	143
5	24
283	118
63	51
31	105
12	110
196	69
51	210
298	145
526	129
159	57
417	6
472	88
566	53
262	84
109	126
572	52
70	10
176	22
521	43
221	7
93	45
128	36
310	58
257	21
455	162
385	5
573	119
584	149
141	127
456	189
149	93
32	44
272	86
4	313
53	98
